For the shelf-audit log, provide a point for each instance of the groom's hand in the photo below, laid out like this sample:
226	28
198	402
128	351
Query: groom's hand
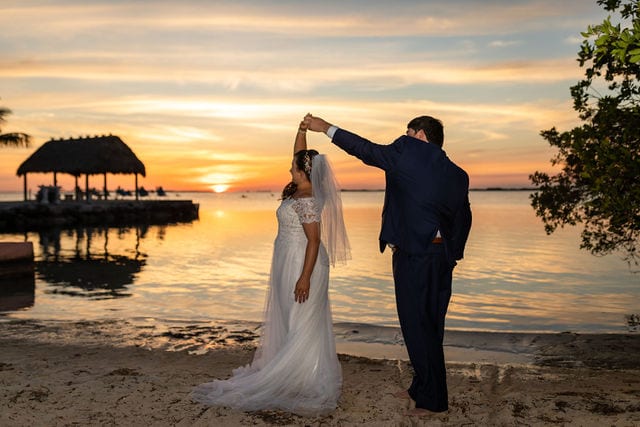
316	124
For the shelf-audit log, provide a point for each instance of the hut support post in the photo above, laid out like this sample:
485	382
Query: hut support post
106	193
24	186
55	179
77	189
87	195
136	186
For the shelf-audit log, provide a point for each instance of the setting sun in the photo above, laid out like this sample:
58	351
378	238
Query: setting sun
219	182
220	188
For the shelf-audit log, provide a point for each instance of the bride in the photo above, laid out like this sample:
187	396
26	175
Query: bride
295	367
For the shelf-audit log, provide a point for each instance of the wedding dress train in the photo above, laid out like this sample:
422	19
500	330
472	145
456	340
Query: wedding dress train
295	367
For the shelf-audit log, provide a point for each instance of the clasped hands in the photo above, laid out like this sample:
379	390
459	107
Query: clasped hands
315	124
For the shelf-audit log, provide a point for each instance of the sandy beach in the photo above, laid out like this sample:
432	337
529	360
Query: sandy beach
115	373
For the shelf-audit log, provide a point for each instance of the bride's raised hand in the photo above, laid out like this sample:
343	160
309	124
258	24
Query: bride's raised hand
300	142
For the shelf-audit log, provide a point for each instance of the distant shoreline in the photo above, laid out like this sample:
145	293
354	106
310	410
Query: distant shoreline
471	189
377	190
344	190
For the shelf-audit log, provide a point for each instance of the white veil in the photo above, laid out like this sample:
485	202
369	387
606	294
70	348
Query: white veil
327	195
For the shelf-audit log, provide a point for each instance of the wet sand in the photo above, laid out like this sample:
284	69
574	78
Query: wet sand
117	373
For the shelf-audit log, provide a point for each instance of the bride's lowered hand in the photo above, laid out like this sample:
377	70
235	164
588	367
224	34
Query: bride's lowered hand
301	292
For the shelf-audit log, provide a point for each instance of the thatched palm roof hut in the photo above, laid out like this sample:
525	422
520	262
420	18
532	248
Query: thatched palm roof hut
88	156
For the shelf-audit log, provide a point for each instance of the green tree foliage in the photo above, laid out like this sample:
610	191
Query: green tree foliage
15	138
599	181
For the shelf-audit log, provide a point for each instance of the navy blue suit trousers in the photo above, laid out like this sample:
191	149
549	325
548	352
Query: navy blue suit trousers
423	291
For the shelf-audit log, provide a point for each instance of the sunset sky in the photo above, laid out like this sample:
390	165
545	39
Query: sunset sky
209	93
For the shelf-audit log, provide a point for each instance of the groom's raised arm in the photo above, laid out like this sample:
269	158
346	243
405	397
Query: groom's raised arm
381	156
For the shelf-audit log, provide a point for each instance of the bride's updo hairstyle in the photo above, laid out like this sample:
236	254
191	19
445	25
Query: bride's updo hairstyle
304	161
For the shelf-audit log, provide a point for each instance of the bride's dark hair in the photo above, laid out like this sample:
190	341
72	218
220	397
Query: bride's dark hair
303	160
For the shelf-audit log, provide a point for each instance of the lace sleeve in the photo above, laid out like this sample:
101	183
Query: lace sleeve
307	210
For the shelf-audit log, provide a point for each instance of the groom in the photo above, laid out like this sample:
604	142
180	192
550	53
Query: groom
426	220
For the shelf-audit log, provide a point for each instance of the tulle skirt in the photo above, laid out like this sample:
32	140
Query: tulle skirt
295	367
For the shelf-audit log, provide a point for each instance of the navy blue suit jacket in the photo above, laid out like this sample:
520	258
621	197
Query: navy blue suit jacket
425	192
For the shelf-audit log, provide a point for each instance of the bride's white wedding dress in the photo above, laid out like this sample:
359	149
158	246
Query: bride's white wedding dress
295	367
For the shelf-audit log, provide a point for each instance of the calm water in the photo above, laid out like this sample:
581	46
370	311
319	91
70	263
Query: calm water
514	277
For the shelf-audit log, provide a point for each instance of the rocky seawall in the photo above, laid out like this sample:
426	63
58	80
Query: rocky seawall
31	215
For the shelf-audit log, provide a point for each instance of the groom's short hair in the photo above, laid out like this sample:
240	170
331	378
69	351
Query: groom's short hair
431	126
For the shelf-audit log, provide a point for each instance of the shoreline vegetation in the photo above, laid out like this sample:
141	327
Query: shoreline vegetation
113	372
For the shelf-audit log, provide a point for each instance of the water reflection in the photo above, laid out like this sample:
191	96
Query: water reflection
88	269
513	278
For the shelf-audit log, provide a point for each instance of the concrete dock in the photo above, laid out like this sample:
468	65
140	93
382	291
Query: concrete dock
17	280
11	252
